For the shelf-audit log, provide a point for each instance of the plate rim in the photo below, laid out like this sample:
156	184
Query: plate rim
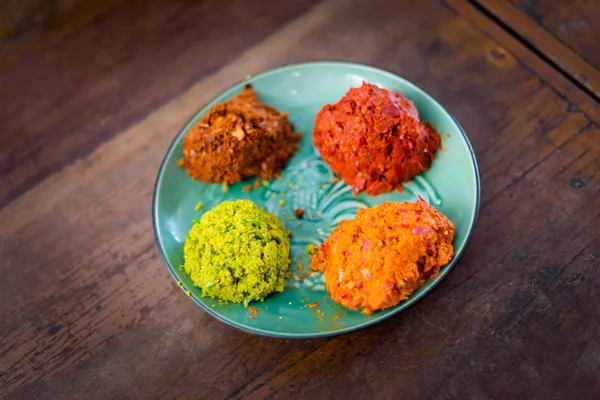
402	306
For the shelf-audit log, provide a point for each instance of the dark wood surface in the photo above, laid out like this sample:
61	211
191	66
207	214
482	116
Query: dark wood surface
88	309
564	31
575	22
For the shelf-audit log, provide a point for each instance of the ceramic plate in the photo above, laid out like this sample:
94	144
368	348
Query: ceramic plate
303	310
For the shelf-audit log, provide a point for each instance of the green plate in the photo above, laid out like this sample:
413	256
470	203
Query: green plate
303	310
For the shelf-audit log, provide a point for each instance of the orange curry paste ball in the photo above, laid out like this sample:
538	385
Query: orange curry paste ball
384	254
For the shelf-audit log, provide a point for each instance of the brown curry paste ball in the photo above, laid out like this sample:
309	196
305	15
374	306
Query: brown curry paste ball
238	139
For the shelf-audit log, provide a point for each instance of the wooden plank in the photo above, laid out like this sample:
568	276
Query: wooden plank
73	94
565	31
509	43
99	317
575	22
26	26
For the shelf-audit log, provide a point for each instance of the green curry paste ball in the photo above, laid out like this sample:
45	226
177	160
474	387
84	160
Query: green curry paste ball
237	252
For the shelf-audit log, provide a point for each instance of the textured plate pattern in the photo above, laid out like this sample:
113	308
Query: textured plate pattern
303	309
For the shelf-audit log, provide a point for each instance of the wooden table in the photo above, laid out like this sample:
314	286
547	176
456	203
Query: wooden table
91	95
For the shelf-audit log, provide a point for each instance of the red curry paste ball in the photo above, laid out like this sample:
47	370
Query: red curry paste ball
373	139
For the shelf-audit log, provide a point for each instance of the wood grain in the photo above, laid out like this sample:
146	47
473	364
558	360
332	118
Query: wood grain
88	309
28	25
574	22
75	93
566	31
507	41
